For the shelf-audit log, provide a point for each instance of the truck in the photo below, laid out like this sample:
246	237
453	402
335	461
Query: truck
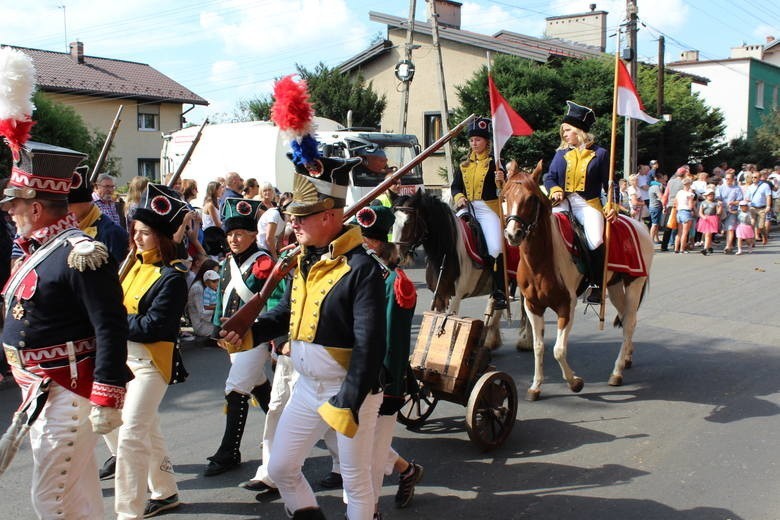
258	149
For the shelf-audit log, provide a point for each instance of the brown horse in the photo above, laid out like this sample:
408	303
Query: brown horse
549	278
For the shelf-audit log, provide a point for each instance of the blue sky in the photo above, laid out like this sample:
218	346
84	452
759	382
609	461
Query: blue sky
231	50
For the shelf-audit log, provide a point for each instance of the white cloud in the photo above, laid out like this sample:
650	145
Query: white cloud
489	19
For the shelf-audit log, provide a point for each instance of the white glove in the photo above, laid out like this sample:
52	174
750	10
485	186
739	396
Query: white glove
105	419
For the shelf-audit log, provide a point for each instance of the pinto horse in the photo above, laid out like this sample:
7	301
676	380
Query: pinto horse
548	276
423	219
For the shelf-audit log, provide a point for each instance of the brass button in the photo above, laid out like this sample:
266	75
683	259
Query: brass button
22	333
22	344
26	323
322	291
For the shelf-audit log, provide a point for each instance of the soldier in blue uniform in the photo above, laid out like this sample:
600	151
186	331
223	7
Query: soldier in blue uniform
65	333
334	311
243	273
92	221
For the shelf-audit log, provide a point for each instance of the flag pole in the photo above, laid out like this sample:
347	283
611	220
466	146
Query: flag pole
500	186
610	185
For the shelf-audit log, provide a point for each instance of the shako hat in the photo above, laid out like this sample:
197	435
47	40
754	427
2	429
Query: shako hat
80	187
579	116
41	171
320	185
375	222
239	214
320	182
161	209
481	127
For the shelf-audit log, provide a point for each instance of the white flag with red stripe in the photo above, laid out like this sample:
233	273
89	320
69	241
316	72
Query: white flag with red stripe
506	122
629	103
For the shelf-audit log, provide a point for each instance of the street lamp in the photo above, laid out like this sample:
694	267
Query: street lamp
404	71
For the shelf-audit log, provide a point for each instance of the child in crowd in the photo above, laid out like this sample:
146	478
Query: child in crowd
210	282
709	219
744	226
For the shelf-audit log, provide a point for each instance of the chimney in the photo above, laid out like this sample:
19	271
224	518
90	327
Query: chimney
689	56
77	52
448	13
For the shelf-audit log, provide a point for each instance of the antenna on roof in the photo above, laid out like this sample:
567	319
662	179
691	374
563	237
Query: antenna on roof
65	25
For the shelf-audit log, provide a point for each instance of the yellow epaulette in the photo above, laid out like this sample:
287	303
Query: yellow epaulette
179	265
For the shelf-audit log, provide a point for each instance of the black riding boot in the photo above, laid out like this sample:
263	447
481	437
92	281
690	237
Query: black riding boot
596	274
309	514
499	297
263	395
228	456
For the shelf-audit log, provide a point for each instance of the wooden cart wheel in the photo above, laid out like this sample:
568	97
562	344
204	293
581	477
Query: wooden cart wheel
491	410
418	406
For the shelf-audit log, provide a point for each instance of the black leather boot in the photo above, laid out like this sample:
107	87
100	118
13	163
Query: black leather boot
263	395
595	275
309	514
228	456
499	297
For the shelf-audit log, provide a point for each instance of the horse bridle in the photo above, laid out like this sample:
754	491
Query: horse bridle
419	229
526	227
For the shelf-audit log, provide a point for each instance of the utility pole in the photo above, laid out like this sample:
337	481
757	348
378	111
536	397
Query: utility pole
629	145
406	85
445	126
660	95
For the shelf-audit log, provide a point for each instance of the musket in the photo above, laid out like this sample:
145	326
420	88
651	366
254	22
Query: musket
106	145
243	318
129	260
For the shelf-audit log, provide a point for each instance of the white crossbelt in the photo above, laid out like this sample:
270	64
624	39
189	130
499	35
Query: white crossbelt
237	282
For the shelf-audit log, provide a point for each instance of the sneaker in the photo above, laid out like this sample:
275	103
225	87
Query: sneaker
156	506
406	486
108	469
332	481
499	300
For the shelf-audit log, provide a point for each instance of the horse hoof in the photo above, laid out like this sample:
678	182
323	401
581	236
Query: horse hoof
532	395
615	380
628	364
577	385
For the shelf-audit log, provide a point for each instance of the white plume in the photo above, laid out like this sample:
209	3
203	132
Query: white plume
17	83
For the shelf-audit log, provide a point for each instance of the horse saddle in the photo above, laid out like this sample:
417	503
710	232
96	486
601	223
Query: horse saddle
473	238
625	253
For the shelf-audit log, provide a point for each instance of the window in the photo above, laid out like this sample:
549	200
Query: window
149	118
149	168
759	94
432	130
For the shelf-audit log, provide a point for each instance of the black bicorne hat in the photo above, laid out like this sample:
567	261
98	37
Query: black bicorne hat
579	116
80	187
481	127
239	214
161	209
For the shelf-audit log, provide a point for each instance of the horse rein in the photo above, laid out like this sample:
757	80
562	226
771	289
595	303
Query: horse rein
526	227
418	223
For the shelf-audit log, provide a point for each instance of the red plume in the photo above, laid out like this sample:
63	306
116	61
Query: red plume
292	112
16	132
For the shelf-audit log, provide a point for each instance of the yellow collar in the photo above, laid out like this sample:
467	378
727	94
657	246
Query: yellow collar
150	257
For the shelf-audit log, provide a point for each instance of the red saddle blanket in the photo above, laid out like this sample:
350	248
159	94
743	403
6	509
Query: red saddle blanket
625	253
470	241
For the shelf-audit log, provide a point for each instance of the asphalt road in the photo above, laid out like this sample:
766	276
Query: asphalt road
692	434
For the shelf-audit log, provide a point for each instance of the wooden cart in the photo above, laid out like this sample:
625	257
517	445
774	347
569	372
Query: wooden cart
451	363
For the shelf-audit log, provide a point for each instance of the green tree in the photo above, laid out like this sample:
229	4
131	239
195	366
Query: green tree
768	135
60	125
538	92
332	94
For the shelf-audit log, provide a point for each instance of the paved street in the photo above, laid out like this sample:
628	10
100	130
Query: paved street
692	435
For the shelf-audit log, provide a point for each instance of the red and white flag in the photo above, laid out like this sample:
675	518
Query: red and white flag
506	122
629	103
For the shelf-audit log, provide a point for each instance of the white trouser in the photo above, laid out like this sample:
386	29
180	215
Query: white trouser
142	458
384	456
300	427
591	219
64	481
491	226
332	443
247	370
281	388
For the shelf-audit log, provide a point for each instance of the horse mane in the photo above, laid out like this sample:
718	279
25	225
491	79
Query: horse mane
442	234
524	182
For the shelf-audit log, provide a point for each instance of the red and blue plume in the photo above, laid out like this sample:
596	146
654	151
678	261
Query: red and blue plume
292	112
17	84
